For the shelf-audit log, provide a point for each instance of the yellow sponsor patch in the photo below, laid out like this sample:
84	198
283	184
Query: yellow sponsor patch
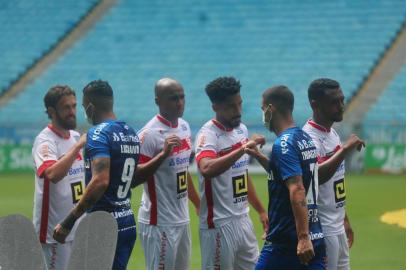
397	217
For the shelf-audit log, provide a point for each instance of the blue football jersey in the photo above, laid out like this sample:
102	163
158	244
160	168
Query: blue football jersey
119	142
293	154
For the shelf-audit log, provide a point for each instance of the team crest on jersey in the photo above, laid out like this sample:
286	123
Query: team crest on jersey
184	127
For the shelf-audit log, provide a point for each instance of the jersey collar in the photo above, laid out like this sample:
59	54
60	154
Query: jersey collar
57	132
317	126
220	126
165	121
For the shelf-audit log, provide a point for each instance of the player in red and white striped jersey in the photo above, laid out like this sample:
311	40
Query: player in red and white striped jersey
227	237
59	178
327	102
164	212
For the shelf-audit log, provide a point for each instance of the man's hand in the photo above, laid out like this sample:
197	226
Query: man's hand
305	250
353	142
170	142
349	232
259	139
82	140
60	233
263	217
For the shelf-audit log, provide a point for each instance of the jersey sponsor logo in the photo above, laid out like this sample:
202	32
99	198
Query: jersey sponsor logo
122	213
77	191
179	161
284	143
181	187
305	144
74	171
339	193
98	130
240	164
315	236
240	188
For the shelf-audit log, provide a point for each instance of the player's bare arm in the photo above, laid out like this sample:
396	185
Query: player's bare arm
58	171
146	170
348	231
94	190
256	203
212	167
329	167
297	194
192	193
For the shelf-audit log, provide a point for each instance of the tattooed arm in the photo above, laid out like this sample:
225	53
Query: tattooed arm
297	194
94	190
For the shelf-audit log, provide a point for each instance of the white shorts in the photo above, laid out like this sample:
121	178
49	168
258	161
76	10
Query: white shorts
166	247
231	246
338	254
57	255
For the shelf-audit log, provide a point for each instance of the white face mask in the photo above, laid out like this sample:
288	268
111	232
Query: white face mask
88	119
267	124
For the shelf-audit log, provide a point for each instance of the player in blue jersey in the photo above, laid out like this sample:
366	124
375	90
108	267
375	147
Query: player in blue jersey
294	239
111	162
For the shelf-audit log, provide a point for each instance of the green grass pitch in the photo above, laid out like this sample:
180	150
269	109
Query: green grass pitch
377	245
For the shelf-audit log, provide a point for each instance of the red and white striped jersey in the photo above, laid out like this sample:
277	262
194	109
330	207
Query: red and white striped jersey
226	195
331	200
165	196
54	201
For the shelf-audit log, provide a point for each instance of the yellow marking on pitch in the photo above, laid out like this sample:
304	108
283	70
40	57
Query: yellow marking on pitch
397	217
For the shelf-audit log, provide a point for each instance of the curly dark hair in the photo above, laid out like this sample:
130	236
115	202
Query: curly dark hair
221	88
54	94
319	87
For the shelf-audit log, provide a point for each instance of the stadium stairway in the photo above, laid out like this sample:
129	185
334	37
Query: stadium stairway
362	105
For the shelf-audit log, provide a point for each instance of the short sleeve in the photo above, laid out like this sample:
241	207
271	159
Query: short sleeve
97	145
205	145
45	154
148	145
288	159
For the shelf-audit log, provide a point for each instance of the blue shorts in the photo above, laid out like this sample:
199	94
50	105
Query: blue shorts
127	234
274	257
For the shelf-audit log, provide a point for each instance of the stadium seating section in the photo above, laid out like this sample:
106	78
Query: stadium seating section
261	42
30	28
390	107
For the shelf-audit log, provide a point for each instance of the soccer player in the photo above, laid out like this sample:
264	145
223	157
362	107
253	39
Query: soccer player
227	237
111	153
327	102
164	212
59	178
294	239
